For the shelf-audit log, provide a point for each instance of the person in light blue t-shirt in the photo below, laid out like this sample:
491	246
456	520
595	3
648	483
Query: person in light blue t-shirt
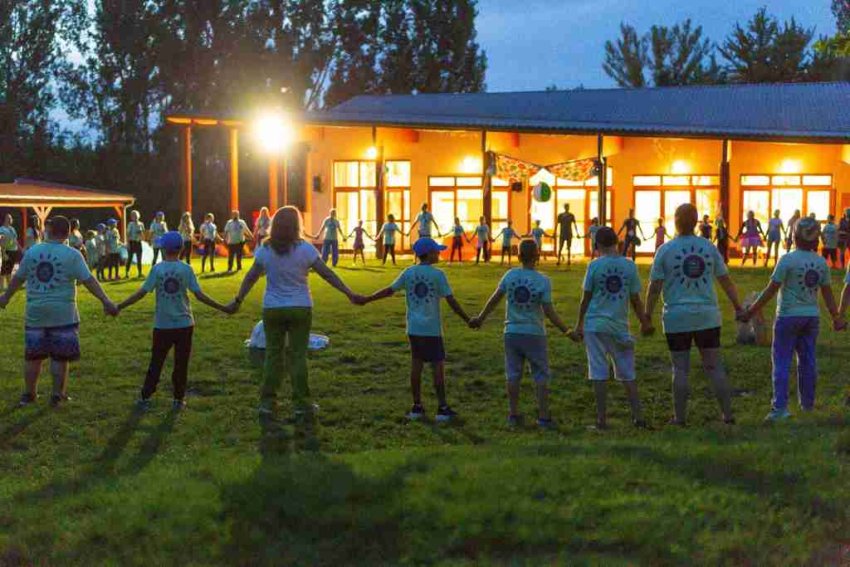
538	233
507	234
425	286
332	229
529	300
388	231
684	269
174	323
829	235
51	271
482	233
611	283
425	220
798	278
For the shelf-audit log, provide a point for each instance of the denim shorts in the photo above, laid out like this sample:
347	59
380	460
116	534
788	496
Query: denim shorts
57	343
604	347
522	348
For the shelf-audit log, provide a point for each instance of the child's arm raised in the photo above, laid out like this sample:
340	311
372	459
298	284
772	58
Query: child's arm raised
456	307
491	304
553	316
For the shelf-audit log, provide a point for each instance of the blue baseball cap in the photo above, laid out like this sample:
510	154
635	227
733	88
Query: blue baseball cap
111	222
170	241
101	226
425	246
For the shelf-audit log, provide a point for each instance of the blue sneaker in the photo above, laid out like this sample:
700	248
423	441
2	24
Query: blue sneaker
778	415
445	413
143	404
416	413
545	423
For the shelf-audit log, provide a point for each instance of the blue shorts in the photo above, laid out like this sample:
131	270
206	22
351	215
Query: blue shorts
427	349
520	348
57	343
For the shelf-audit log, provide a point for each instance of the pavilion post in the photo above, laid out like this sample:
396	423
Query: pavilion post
487	181
24	225
602	175
234	169
379	190
186	163
284	174
273	183
725	181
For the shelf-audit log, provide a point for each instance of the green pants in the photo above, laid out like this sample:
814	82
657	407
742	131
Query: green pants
287	335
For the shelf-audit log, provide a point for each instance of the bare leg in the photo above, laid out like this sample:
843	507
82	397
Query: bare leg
601	395
542	391
59	370
513	396
416	381
634	400
32	368
440	382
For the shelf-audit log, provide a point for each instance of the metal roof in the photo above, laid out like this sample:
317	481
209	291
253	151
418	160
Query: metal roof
788	112
31	192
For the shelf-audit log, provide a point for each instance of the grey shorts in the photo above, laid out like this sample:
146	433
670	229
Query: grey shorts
520	349
604	347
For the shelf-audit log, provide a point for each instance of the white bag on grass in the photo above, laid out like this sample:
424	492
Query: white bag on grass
258	339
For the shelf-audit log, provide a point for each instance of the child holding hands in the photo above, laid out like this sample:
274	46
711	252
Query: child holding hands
424	286
529	298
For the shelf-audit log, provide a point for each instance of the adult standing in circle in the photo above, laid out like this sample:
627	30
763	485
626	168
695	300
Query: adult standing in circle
187	231
775	234
843	236
331	228
262	226
792	227
631	226
33	233
566	223
157	230
135	234
75	237
286	259
425	220
752	237
388	231
209	239
458	236
10	249
235	232
684	269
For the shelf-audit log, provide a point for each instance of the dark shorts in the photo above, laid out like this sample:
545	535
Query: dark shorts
566	237
209	247
705	338
457	242
10	258
427	349
57	343
134	247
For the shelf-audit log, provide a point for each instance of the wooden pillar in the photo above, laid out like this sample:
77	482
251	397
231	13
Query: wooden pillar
284	163
602	175
24	225
273	183
186	163
234	169
379	194
488	181
725	182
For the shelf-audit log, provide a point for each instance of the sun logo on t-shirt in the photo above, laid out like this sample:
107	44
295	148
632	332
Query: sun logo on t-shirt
523	294
421	291
169	286
44	276
612	284
692	265
809	278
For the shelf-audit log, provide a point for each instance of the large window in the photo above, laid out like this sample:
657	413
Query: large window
581	196
354	194
456	196
763	194
658	196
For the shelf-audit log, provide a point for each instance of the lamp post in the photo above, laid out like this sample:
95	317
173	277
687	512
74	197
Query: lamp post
274	133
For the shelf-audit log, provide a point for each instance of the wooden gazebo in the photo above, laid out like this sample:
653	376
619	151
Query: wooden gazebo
44	196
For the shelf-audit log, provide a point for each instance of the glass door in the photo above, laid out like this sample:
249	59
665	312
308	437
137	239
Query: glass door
397	203
647	213
819	203
672	199
443	209
786	201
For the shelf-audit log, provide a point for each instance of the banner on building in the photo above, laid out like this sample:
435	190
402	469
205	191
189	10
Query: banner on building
512	169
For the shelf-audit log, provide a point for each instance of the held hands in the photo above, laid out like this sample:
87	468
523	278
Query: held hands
839	323
357	299
646	328
475	323
577	334
743	315
111	309
232	308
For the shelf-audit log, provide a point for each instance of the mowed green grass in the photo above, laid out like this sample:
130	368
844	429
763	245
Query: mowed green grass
95	483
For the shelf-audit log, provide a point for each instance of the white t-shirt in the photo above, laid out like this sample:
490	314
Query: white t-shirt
286	275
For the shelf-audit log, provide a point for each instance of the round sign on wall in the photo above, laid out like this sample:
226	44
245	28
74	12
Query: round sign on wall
542	192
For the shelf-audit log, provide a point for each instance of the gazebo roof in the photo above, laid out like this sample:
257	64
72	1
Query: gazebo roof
34	193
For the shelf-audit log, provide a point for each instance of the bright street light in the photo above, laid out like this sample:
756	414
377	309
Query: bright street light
273	131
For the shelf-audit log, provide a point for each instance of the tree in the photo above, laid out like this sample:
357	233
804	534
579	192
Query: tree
766	51
626	58
841	11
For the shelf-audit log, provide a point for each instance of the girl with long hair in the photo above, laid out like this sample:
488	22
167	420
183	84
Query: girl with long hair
187	231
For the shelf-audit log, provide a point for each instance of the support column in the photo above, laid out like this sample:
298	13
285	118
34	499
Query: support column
488	181
274	166
234	169
379	195
285	178
725	182
186	163
24	225
602	175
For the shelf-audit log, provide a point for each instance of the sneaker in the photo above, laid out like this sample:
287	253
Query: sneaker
778	415
143	404
27	399
445	413
676	422
59	399
178	405
544	423
640	423
514	420
416	413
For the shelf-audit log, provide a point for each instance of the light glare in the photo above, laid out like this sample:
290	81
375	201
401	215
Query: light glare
273	132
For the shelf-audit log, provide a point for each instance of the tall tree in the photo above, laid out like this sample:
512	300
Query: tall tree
626	57
841	11
356	28
765	51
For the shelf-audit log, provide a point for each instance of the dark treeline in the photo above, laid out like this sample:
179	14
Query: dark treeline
119	67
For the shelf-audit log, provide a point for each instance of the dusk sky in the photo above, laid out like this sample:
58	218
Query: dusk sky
532	44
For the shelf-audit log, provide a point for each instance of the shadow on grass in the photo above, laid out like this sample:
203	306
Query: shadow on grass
9	434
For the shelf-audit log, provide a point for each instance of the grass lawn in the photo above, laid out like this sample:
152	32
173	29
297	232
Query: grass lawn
96	483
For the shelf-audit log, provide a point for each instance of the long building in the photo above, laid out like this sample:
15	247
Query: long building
727	149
